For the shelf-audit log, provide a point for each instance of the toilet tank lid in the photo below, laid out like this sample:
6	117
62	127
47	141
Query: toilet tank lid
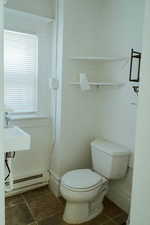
110	148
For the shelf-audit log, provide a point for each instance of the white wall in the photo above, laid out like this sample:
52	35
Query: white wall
36	161
120	32
78	111
38	7
99	28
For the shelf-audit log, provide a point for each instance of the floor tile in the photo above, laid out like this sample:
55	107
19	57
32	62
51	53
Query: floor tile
36	192
110	223
12	201
57	220
41	207
63	201
35	223
43	203
111	210
101	219
53	220
121	219
18	215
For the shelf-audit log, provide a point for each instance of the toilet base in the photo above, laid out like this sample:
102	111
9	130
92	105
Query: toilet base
80	212
77	213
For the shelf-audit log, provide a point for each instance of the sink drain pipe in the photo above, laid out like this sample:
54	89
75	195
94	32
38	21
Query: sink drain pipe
9	179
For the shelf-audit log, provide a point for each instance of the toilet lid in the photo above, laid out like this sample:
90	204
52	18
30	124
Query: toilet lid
81	179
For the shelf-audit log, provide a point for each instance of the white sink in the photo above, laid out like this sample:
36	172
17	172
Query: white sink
15	139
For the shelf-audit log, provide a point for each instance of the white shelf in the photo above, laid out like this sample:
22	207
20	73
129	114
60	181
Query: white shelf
31	16
100	58
99	84
26	117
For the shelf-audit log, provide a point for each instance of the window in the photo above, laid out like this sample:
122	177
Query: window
20	67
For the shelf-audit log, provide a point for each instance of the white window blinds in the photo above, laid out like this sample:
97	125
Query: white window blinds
20	67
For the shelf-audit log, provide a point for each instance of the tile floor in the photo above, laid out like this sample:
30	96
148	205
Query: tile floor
40	207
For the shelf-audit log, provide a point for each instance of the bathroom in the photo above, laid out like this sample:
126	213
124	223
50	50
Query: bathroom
75	38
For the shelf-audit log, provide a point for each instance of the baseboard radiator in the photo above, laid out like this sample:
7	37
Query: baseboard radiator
31	182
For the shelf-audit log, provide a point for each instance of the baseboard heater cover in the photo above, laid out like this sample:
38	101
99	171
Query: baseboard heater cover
26	179
30	182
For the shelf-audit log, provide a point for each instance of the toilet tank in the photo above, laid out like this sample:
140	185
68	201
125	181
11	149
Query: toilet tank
109	159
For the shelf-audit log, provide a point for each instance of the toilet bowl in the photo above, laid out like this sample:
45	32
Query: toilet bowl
84	191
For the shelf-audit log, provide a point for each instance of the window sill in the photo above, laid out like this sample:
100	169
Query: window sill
26	117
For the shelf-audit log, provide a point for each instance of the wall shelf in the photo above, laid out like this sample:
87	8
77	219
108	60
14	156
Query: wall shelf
100	84
31	16
107	59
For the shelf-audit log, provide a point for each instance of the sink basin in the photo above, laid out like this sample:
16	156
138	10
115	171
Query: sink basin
15	139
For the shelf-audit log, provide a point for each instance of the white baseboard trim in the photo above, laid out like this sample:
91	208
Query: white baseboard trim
54	183
25	189
121	199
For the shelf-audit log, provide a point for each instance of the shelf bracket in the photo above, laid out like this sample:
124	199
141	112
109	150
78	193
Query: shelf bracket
135	64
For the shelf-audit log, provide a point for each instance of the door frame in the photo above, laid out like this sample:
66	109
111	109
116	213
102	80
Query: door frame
140	202
2	187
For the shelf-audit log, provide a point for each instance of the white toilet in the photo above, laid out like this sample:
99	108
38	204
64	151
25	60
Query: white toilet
84	189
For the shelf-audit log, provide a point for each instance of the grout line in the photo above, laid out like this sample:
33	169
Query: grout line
34	223
108	221
111	219
58	212
119	215
115	223
108	217
28	206
105	223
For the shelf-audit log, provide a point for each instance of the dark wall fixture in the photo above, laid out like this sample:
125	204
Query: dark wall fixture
135	65
136	89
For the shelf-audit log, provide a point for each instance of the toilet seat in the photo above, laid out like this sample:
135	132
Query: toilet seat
82	180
